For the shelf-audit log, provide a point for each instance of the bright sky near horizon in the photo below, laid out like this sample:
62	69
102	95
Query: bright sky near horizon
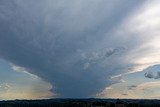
79	49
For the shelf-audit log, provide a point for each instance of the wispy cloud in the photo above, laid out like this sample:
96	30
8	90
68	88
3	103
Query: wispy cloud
148	85
131	87
5	87
22	69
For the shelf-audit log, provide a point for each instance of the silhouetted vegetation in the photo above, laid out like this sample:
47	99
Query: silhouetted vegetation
81	103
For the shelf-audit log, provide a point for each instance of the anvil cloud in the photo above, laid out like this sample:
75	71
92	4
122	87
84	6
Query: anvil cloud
76	45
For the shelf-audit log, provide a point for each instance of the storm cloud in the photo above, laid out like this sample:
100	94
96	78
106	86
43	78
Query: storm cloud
70	44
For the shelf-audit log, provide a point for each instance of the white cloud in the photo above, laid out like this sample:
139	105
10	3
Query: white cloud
22	69
5	87
141	29
140	32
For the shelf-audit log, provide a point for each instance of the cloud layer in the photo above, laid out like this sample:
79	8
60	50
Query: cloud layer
77	45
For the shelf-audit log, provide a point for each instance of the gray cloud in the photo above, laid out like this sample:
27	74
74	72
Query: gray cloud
114	51
63	41
151	75
131	87
152	72
125	94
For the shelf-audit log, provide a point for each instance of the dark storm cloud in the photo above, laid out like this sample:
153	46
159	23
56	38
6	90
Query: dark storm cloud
59	41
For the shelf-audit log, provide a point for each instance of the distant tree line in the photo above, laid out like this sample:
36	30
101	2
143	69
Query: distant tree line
75	103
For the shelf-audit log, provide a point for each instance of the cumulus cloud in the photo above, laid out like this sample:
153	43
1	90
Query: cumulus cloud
149	75
78	45
152	72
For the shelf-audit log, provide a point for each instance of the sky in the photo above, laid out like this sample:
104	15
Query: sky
79	49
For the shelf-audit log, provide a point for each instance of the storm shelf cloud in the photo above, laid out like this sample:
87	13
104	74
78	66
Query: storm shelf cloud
76	46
